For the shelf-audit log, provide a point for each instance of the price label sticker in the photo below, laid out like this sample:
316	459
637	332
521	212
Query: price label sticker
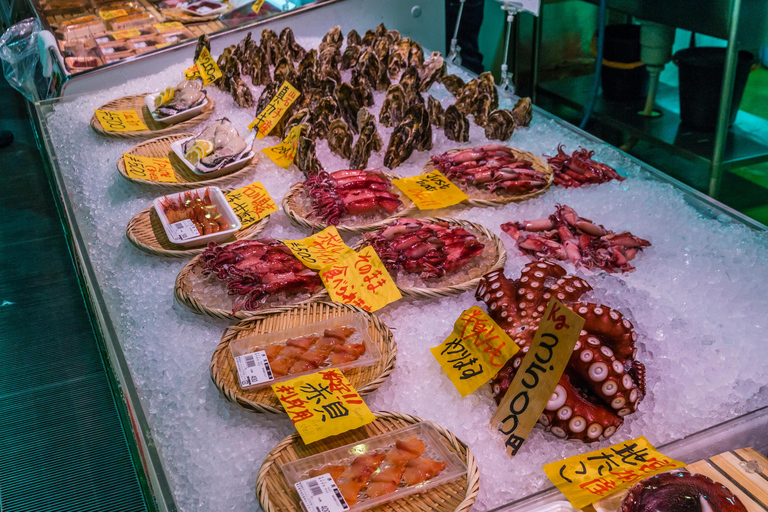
321	494
256	7
183	230
149	169
120	120
284	153
251	203
321	249
475	351
271	115
207	67
430	191
126	34
360	279
171	26
322	404
253	369
587	478
538	374
108	15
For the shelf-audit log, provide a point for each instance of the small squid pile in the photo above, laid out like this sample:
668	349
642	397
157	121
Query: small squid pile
199	209
566	236
578	169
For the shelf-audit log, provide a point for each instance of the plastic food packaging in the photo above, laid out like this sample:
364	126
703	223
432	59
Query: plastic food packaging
435	451
183	232
115	47
131	21
64	7
176	36
251	372
79	28
145	44
18	51
77	64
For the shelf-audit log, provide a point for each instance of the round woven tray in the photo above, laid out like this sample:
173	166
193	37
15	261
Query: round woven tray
146	232
136	102
495	245
477	200
182	292
275	495
365	380
300	217
160	147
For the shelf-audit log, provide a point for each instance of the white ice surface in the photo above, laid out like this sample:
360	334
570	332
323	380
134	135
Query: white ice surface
699	301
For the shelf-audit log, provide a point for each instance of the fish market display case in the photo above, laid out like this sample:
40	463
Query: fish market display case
697	298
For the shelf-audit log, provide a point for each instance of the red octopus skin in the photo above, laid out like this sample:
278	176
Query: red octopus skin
602	382
680	491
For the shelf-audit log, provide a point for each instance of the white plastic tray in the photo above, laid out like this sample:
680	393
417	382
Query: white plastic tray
176	118
185	8
232	167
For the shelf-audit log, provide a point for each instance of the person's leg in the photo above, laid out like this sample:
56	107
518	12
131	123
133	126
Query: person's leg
469	30
6	137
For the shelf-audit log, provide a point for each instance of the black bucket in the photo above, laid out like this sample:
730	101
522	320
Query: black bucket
623	81
701	84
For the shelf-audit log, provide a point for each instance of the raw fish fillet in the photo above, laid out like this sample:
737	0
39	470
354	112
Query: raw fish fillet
292	352
303	343
405	450
341	333
334	471
314	356
356	476
272	351
301	366
421	469
412	444
385	482
325	343
281	365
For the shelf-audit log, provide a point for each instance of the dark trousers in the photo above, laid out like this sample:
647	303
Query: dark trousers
469	30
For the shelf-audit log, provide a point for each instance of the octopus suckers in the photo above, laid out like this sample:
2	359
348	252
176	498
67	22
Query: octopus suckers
598	372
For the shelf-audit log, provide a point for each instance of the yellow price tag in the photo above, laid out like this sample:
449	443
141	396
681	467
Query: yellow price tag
251	203
430	191
191	72
162	45
271	115
149	169
538	375
360	279
284	153
207	67
587	478
321	249
126	34
256	7
108	15
120	120
475	351
171	26
322	404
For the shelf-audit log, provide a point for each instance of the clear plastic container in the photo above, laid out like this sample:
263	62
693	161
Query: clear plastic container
218	199
436	449
145	44
258	343
131	21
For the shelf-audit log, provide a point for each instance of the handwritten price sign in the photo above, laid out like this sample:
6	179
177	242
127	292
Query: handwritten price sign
207	67
126	34
322	404
321	249
284	153
191	72
256	7
251	203
538	374
149	169
585	479
108	15
120	120
171	26
271	115
475	351
430	191
360	279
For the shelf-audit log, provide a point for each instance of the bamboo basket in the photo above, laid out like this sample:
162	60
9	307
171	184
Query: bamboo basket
495	244
275	495
146	232
365	380
477	199
160	147
136	102
300	217
184	295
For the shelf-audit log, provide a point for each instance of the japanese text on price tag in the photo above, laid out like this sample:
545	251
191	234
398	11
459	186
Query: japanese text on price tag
256	7
586	478
149	169
108	15
191	72
362	280
207	67
170	26
322	404
475	351
271	115
431	190
538	374
126	34
284	153
120	120
251	203
321	249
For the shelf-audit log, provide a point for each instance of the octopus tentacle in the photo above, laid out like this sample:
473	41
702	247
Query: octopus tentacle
608	323
498	293
570	288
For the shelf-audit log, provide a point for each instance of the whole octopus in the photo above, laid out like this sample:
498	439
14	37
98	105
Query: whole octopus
602	383
680	491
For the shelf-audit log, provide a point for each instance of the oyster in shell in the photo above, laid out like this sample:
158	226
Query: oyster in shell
308	61
241	93
266	95
500	125
414	133
423	133
368	141
433	70
300	117
381	30
228	145
333	37
393	109
353	38
340	138
369	39
350	102
326	111
307	80
523	112
281	69
479	97
393	37
202	42
416	55
306	157
398	58
311	98
382	81
254	63
291	48
270	46
381	49
453	83
410	82
436	112
367	70
187	94
350	56
456	125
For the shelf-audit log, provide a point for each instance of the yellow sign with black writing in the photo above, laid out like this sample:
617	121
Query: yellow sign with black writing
275	110
360	279
322	404
120	120
587	478
170	26
251	203
126	34
256	7
149	169
109	15
207	67
321	249
430	191
538	374
191	72
284	153
475	351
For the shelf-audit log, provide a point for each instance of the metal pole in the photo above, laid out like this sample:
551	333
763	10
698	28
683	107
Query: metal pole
724	113
536	53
